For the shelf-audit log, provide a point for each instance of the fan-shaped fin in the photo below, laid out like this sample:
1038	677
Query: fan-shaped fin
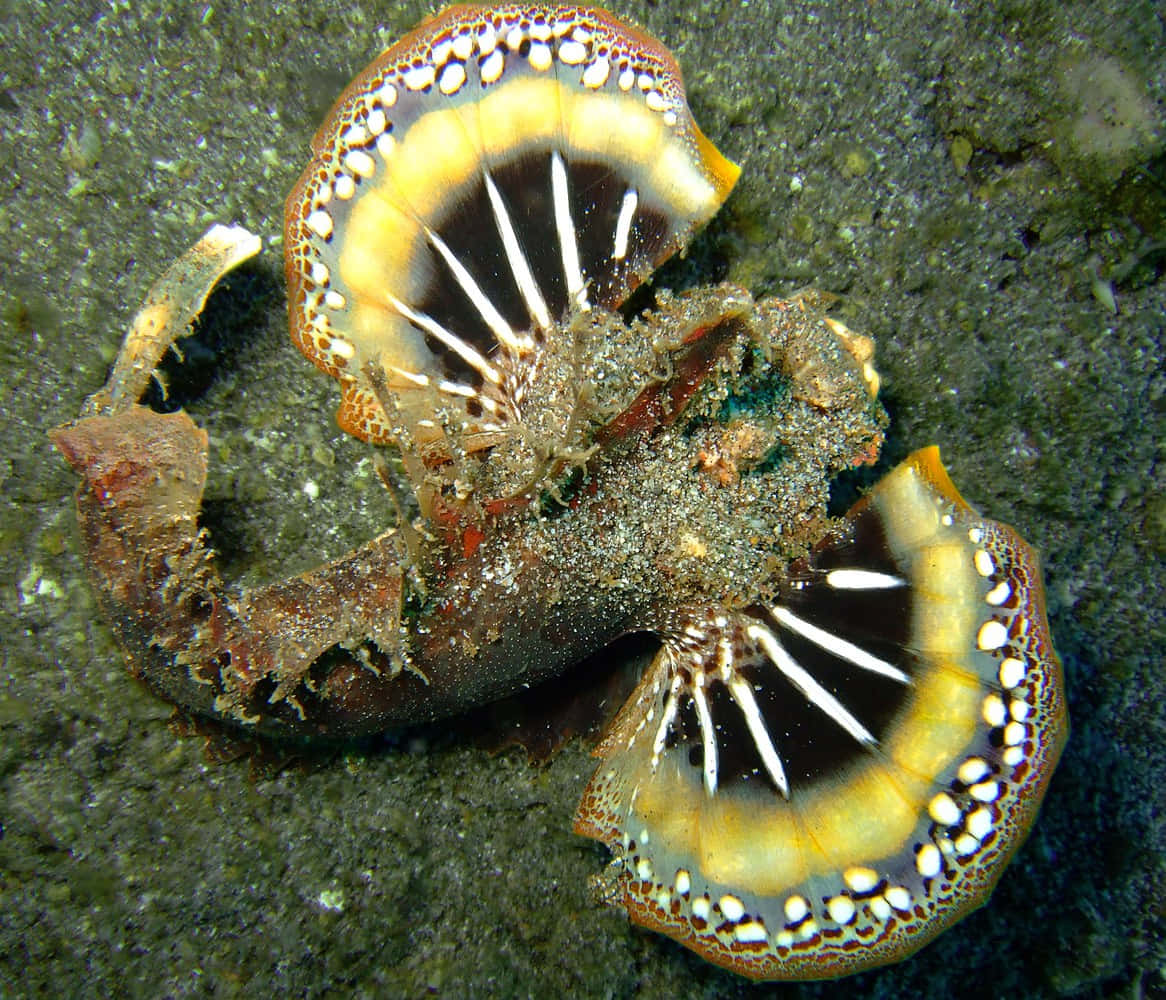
821	782
491	173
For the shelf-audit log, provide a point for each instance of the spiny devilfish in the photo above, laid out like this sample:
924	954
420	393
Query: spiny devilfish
848	725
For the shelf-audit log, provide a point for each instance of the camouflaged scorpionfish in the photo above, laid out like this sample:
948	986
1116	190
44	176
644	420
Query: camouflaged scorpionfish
848	726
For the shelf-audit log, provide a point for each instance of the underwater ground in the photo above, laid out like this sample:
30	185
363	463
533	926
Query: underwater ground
987	192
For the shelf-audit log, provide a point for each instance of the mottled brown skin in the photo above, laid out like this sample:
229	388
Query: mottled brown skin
507	596
184	632
142	478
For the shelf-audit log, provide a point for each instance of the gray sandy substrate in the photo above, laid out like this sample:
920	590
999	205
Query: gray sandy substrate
987	192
